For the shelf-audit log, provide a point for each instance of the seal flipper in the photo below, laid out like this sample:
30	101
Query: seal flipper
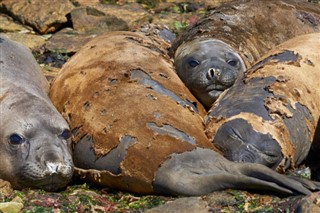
203	171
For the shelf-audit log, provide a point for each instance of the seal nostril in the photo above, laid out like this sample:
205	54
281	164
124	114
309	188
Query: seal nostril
212	73
53	167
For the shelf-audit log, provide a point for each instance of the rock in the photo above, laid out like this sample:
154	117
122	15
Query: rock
182	205
86	2
133	14
7	24
30	40
221	198
11	207
5	190
43	15
68	40
309	204
89	19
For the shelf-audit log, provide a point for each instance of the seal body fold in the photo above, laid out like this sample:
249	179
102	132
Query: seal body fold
270	115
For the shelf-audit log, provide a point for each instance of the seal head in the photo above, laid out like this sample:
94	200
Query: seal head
208	67
241	143
34	147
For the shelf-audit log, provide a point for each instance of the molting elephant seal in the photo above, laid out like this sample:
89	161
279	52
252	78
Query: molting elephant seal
213	52
136	127
33	134
270	115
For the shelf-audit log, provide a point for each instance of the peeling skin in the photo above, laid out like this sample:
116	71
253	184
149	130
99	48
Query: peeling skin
144	79
278	96
171	131
286	56
110	162
301	137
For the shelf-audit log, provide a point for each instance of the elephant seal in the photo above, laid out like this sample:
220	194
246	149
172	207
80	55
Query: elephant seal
136	127
33	134
269	116
213	52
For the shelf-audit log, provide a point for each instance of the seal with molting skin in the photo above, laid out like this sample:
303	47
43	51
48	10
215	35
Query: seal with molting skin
270	115
136	127
210	54
33	134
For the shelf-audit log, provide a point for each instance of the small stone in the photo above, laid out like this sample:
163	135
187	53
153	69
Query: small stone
11	207
29	40
182	205
307	206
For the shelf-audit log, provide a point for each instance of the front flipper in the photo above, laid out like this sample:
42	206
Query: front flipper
202	171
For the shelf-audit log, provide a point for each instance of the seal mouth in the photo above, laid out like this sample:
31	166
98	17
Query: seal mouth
213	90
52	183
269	157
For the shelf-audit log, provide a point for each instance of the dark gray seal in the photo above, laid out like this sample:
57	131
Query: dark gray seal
208	67
33	135
245	28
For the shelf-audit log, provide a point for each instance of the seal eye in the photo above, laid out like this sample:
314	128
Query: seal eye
65	134
193	63
16	139
232	62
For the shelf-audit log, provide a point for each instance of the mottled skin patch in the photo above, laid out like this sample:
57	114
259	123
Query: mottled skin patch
250	28
272	111
151	140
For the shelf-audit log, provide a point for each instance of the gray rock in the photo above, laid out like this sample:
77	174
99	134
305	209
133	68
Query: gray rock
30	40
308	204
92	20
68	40
43	16
133	14
182	205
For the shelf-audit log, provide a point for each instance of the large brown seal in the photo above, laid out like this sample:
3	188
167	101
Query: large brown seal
210	54
270	115
136	127
33	134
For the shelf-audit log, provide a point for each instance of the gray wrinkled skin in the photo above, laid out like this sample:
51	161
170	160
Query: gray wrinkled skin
202	171
208	67
34	147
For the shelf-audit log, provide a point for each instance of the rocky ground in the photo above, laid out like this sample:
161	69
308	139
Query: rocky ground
54	30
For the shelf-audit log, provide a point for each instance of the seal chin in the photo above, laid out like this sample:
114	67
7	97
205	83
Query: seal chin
209	96
50	183
34	176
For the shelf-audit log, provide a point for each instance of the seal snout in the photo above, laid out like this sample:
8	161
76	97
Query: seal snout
213	73
224	76
53	167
